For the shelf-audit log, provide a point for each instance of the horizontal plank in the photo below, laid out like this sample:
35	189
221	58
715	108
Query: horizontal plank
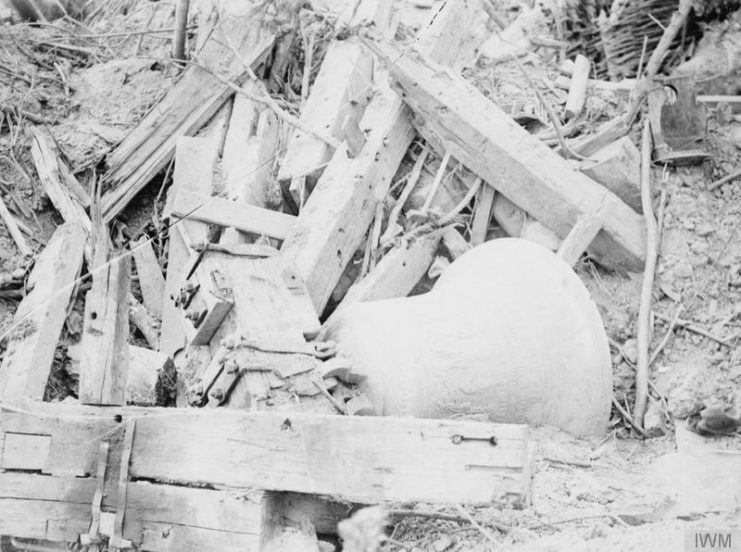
362	459
157	517
241	216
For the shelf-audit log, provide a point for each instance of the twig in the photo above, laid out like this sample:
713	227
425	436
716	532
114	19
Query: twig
436	182
644	311
308	61
463	202
323	390
667	335
405	193
624	413
718	183
400	512
689	326
657	57
473	522
14	231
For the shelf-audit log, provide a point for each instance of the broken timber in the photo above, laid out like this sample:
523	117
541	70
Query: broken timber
151	281
341	88
492	145
339	211
38	321
189	103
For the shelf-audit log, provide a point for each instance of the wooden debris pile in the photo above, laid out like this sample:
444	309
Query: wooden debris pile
284	209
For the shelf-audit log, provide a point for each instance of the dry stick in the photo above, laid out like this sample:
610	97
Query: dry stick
657	57
644	311
405	193
667	335
718	183
689	326
624	413
436	182
481	530
14	231
462	204
308	61
181	22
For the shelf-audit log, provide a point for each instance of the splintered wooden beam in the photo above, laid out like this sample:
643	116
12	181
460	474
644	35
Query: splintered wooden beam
339	211
32	337
395	275
240	216
526	171
356	458
189	103
341	88
582	234
104	362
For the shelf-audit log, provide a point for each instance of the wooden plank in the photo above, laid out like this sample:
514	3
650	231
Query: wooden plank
482	215
582	234
339	211
104	362
189	103
362	459
249	158
341	88
194	164
241	216
38	321
157	517
578	88
509	159
617	168
151	281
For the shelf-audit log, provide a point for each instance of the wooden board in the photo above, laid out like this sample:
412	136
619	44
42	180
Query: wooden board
151	281
249	158
362	459
189	103
342	87
157	517
230	214
501	152
194	163
340	209
39	318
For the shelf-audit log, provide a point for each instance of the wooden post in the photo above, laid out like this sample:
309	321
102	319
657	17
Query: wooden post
104	362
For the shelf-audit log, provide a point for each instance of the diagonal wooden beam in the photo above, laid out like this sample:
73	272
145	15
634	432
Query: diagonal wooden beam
507	157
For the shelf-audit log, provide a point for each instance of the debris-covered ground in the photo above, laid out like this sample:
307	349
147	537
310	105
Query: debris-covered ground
90	84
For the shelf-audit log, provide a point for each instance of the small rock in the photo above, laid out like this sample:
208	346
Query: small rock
653	420
704	229
442	543
630	350
683	270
